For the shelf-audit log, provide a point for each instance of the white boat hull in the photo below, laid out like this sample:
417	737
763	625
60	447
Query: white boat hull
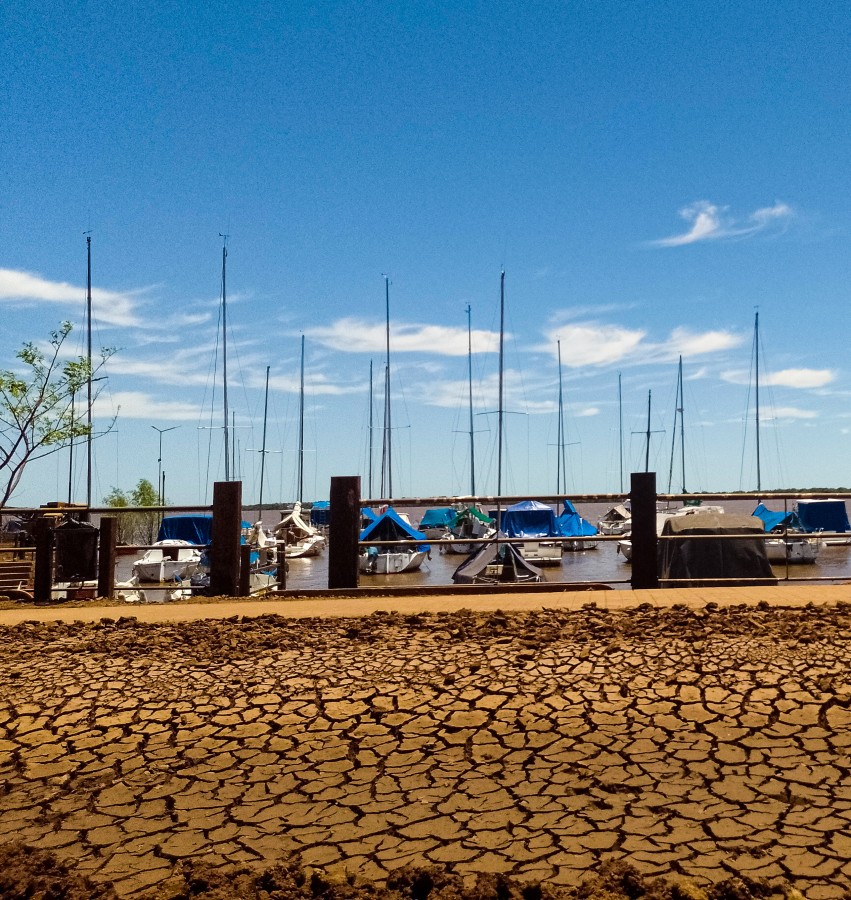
543	553
391	563
167	561
803	551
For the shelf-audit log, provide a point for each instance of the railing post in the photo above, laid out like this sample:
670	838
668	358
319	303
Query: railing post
642	498
224	549
106	556
343	532
244	570
43	570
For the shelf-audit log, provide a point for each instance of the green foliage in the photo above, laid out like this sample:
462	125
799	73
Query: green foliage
37	405
135	527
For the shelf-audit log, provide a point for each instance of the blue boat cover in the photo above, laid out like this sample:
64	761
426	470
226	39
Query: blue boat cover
773	519
823	515
529	518
390	527
197	529
571	524
441	517
320	513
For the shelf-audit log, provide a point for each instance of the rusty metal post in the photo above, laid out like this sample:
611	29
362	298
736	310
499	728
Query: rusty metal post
106	556
224	550
343	532
244	570
642	497
43	574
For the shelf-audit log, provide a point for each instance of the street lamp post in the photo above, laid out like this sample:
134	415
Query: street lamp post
161	432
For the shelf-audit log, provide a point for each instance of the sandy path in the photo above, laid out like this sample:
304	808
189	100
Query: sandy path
539	743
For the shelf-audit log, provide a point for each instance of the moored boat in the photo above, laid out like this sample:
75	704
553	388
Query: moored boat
389	559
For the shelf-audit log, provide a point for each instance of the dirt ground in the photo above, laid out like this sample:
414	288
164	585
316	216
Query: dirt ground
600	753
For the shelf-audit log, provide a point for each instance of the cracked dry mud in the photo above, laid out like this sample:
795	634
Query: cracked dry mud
692	744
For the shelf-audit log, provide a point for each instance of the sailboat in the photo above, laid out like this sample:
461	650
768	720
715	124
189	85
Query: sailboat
408	555
497	560
790	546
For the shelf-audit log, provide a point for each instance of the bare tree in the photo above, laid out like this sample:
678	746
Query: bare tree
37	405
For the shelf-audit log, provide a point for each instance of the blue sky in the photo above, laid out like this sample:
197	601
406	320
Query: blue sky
648	175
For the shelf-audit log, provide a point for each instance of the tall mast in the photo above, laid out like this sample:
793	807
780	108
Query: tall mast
620	428
225	354
263	445
301	428
387	455
470	394
647	449
561	463
370	428
89	364
499	403
678	412
756	358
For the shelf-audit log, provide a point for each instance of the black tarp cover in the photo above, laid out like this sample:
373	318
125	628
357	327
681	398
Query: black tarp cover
513	567
716	561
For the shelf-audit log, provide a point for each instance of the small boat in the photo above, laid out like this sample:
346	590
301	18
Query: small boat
535	521
828	515
436	523
470	524
298	538
575	529
169	560
392	558
497	562
624	547
617	520
790	544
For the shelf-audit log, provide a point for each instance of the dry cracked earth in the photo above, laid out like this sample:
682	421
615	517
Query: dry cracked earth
678	753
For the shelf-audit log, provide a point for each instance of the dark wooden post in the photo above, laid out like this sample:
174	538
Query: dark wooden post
343	532
43	574
224	550
642	497
106	556
244	570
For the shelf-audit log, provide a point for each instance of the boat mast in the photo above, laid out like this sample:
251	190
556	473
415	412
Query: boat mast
387	456
678	411
561	463
647	448
370	429
620	428
756	382
499	402
470	394
301	429
89	365
225	354
263	445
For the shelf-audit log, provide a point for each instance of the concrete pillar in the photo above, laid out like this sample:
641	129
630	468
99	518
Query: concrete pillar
642	498
224	550
343	532
106	556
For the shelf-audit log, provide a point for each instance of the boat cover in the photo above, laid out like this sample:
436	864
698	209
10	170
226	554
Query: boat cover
197	529
389	526
320	513
529	518
514	568
571	524
441	517
773	519
617	513
470	513
76	553
823	515
718	562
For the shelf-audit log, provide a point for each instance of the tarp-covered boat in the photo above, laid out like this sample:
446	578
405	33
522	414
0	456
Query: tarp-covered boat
436	523
825	515
707	550
496	562
790	545
617	520
533	519
470	524
299	537
572	526
390	559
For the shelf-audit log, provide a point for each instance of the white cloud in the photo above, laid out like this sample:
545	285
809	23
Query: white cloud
711	223
689	343
792	412
138	405
109	307
592	344
792	378
351	335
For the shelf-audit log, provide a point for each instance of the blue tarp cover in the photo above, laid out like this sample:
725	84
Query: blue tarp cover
320	513
197	529
571	524
773	519
530	518
390	527
441	517
823	515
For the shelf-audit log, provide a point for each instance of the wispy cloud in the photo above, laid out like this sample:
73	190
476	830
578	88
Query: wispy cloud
709	222
110	307
351	335
792	412
138	405
689	343
791	378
